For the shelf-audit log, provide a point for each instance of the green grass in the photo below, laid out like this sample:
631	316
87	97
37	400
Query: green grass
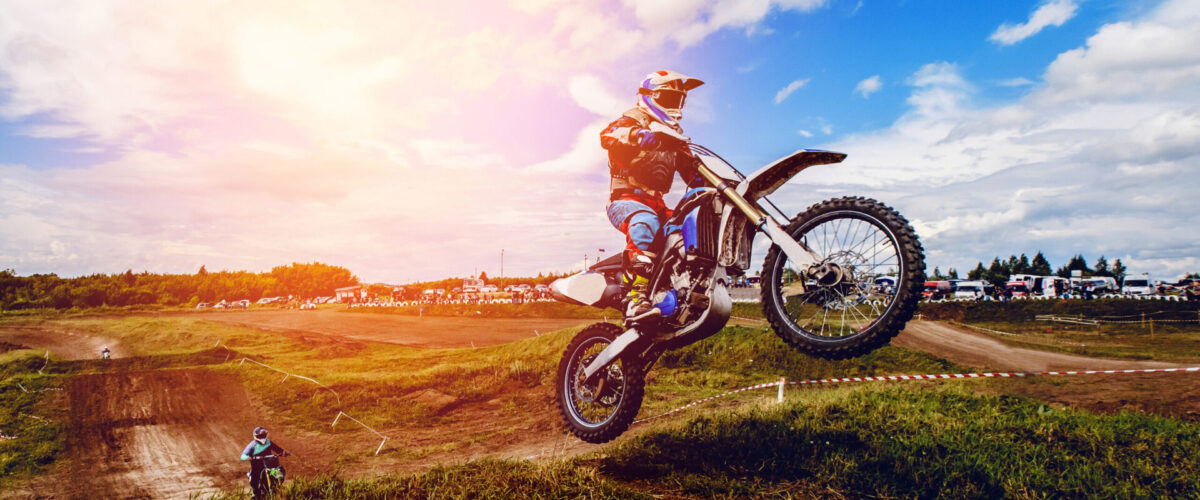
38	442
478	479
916	442
935	441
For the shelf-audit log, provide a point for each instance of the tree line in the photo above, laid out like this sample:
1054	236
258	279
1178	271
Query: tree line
145	288
1000	269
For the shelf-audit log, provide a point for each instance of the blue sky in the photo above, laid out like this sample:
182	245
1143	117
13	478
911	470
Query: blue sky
409	143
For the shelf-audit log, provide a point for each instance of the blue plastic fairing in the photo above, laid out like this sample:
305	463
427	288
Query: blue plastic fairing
690	237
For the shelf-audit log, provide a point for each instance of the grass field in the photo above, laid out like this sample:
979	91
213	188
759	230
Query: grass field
1166	331
923	439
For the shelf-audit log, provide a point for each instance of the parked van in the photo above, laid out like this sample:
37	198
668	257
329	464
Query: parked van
969	290
1138	285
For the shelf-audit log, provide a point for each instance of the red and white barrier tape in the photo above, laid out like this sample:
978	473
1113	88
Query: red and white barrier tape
920	377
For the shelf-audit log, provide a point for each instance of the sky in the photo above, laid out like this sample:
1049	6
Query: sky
412	141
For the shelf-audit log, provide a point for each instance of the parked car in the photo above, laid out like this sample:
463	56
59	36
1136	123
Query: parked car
203	305
969	290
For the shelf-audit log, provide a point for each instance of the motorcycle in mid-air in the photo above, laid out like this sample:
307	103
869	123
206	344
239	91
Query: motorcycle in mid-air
839	280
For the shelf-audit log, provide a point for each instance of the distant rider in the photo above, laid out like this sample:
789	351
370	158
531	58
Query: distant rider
641	169
105	353
256	452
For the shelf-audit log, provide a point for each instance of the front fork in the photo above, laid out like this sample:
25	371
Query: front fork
805	259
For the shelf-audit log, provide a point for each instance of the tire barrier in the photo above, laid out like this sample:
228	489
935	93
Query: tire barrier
892	378
1166	298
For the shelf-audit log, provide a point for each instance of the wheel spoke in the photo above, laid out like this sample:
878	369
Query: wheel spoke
865	250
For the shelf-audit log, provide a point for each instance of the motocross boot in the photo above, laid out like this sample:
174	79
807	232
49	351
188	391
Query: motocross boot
638	267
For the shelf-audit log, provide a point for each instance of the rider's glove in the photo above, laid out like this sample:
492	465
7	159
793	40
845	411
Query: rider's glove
646	138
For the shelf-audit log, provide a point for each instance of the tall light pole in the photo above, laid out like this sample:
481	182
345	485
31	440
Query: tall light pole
502	269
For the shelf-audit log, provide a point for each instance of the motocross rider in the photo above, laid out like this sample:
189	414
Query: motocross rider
259	448
642	165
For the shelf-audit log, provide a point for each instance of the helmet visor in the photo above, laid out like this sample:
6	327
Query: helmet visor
670	99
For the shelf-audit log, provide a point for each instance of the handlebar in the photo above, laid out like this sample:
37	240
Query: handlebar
261	457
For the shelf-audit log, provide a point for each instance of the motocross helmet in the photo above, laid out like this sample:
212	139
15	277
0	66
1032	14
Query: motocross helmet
260	433
663	93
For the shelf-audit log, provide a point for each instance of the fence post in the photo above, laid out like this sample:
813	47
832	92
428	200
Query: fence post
782	382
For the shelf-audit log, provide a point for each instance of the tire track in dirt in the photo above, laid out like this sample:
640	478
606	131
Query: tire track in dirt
164	434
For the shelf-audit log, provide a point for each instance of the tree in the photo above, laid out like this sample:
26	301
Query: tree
1118	271
1040	266
1101	267
202	271
483	276
937	273
997	274
978	273
1022	266
952	274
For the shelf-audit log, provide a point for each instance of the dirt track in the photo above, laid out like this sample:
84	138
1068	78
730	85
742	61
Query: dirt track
413	331
164	434
1174	395
62	343
968	348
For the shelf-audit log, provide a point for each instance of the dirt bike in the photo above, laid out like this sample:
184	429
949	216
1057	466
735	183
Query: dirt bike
272	475
840	280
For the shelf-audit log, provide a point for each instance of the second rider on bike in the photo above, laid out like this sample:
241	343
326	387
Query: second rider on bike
257	453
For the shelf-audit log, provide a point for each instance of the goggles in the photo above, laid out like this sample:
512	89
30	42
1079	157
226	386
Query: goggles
669	99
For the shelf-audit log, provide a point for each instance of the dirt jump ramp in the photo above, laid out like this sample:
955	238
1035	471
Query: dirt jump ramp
157	434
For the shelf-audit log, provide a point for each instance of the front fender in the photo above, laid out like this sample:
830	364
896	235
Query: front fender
766	180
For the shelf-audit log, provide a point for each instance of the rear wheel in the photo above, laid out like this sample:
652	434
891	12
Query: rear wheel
599	411
879	272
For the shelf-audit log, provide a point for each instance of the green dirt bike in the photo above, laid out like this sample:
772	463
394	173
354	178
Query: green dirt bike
271	476
840	280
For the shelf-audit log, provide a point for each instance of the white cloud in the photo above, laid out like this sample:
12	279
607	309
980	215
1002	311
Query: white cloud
868	86
689	21
1052	13
805	133
1100	159
1015	82
594	95
787	90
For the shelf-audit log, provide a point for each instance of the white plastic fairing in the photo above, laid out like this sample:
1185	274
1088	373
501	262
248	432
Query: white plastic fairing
585	289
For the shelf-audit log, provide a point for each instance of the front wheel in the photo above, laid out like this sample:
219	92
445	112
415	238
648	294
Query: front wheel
599	411
878	277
